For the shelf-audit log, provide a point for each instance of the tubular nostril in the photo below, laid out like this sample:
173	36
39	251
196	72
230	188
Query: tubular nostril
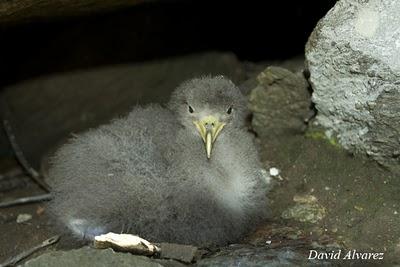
206	124
212	124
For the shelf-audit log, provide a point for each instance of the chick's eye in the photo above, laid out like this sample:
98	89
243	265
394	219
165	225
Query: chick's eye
191	110
229	111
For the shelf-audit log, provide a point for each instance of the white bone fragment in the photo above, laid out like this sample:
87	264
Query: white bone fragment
125	242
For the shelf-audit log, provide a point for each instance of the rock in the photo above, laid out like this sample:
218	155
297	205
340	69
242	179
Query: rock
353	57
183	253
306	209
169	263
280	102
250	256
23	217
305	212
87	257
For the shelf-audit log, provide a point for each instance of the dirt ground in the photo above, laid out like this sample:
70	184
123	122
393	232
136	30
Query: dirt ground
360	199
19	237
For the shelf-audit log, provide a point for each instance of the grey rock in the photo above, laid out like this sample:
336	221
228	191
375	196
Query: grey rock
170	263
305	212
184	253
250	256
280	102
353	56
307	209
88	257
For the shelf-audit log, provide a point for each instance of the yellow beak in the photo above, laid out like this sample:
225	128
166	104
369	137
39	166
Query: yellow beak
209	128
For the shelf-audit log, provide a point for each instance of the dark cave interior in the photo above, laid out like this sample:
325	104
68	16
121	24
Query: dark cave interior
253	30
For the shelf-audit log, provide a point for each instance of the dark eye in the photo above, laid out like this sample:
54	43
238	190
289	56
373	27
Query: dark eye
191	110
229	111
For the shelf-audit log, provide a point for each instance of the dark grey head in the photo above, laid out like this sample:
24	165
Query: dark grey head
206	105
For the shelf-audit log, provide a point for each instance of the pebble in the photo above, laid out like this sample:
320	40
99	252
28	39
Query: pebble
274	171
23	217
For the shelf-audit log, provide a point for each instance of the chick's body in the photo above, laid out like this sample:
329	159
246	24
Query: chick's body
148	173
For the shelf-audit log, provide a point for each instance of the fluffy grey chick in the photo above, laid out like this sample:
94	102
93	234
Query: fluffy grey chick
188	173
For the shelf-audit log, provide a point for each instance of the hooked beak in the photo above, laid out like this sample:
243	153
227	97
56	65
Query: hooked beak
209	128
